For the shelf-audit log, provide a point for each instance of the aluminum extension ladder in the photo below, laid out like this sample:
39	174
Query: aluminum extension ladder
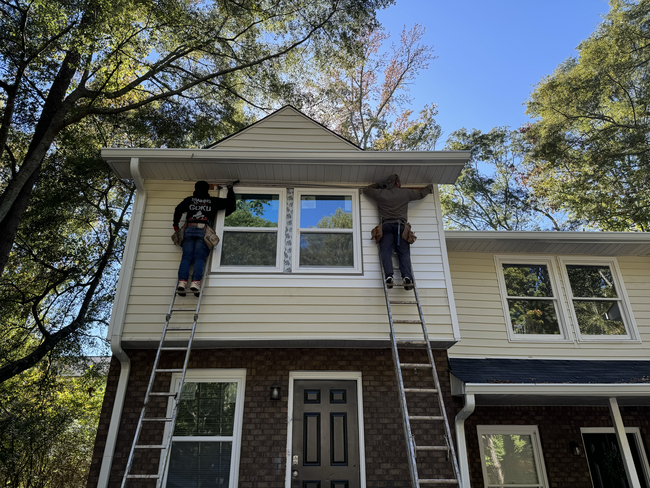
165	446
411	446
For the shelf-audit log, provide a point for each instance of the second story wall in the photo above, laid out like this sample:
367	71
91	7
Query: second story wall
484	324
288	306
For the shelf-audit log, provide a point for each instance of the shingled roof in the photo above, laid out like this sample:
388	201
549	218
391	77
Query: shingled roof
553	371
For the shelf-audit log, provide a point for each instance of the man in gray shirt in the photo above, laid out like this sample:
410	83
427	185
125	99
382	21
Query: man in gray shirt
392	202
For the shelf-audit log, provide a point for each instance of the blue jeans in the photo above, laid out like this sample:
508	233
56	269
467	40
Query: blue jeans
392	240
195	250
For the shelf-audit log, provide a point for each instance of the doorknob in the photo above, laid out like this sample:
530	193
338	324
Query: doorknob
294	473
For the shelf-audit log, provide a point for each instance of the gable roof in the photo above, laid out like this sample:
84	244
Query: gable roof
287	128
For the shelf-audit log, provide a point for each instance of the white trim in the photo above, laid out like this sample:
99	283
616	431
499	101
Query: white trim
551	236
538	455
625	306
216	262
326	375
445	265
564	335
355	231
207	376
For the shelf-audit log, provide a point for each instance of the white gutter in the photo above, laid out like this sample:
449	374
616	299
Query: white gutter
557	389
117	321
549	236
626	453
461	443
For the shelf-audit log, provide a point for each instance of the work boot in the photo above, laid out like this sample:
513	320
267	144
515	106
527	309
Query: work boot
408	283
180	288
196	288
389	282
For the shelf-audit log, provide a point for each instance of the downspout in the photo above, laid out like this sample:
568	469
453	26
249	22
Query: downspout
118	315
467	410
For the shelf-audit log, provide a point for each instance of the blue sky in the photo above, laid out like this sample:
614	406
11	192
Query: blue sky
490	54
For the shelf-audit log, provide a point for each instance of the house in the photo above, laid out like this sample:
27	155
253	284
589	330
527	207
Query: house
293	319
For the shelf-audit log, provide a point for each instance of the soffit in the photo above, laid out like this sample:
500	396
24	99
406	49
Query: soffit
587	243
349	167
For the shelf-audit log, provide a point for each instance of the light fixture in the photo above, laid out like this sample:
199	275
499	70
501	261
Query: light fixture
275	392
575	448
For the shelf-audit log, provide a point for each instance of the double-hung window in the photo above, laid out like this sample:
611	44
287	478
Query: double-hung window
511	455
530	291
326	231
207	437
252	235
597	298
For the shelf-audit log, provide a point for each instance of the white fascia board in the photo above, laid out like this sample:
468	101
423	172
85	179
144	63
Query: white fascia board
287	156
558	389
537	236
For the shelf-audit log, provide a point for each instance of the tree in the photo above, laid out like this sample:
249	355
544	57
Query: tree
491	192
63	61
589	146
360	97
48	423
318	249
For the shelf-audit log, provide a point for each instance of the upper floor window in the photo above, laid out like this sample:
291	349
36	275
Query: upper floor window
594	298
530	298
326	231
251	237
598	301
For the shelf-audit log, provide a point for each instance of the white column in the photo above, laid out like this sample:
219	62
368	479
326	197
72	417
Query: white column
461	444
626	453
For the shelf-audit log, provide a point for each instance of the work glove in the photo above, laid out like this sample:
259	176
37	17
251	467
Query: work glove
429	187
232	184
175	228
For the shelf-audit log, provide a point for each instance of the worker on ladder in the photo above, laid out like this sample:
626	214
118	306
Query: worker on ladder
197	236
394	231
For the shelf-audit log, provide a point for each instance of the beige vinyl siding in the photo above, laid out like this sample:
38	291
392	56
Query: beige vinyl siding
287	128
483	326
285	306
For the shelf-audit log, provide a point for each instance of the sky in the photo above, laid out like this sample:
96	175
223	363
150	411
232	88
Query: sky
490	53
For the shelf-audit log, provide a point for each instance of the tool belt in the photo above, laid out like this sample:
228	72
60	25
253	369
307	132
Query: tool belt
407	234
211	238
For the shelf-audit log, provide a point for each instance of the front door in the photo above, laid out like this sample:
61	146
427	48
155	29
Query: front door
325	451
606	462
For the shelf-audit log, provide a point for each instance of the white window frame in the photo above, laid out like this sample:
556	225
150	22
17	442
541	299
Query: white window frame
564	335
356	225
624	302
280	229
636	431
213	376
532	431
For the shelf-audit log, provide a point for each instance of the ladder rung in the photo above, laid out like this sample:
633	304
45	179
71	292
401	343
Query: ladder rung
426	417
441	481
184	309
170	348
161	393
403	302
145	476
420	390
150	446
415	365
177	370
158	419
179	329
431	448
407	321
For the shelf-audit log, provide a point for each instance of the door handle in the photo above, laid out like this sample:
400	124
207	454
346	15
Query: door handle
295	460
294	473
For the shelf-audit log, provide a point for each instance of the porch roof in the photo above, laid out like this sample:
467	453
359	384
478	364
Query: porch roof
497	381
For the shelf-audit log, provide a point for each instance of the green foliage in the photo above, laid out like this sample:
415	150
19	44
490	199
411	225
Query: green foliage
328	249
589	147
340	219
491	193
509	459
48	422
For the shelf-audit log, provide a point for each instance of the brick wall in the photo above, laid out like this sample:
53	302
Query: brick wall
557	427
264	433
